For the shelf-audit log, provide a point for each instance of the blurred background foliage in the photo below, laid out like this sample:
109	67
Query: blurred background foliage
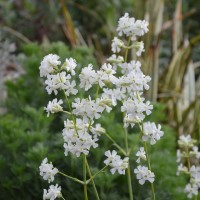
84	30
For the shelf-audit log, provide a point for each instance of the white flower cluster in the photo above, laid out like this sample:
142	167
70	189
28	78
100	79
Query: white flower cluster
143	174
47	171
130	27
57	78
151	132
52	193
49	65
141	154
189	153
86	108
134	110
78	138
115	162
54	106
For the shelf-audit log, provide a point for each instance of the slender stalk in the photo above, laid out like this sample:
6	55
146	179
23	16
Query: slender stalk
126	138
66	112
129	168
96	174
62	197
149	167
97	92
188	158
72	178
126	51
84	177
93	183
111	139
129	182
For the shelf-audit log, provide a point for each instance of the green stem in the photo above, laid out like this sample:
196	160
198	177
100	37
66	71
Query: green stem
126	139
84	177
93	184
129	168
96	174
72	178
66	112
97	92
126	51
188	158
149	167
110	138
62	197
129	182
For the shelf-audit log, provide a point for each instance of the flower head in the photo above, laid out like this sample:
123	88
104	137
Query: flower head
54	106
143	174
49	64
47	171
151	132
115	162
70	65
141	155
52	193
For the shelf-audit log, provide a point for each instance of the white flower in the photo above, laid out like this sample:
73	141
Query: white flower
127	68
77	137
98	130
106	75
115	59
186	141
114	95
119	165
141	155
134	80
140	48
88	77
191	190
116	45
54	106
49	64
56	82
87	108
70	65
105	102
52	193
47	171
69	88
134	109
115	162
178	155
143	174
111	156
151	132
129	27
195	175
181	168
195	152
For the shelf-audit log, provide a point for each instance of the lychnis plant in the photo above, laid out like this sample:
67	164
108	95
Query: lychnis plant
117	83
188	157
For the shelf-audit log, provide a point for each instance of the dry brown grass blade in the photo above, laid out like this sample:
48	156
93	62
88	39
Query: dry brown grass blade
153	38
68	29
177	34
173	78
